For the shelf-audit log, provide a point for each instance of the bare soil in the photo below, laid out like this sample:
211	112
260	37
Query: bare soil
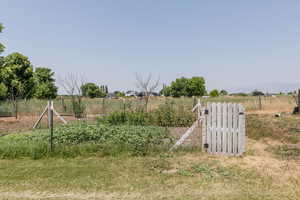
25	123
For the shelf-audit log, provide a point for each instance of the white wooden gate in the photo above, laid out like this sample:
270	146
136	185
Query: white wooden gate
223	128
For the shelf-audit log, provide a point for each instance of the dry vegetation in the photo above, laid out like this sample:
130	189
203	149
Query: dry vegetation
181	175
269	170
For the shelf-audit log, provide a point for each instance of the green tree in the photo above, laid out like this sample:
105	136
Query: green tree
92	90
16	73
1	45
179	86
119	94
3	91
195	86
44	83
223	93
257	93
166	91
214	93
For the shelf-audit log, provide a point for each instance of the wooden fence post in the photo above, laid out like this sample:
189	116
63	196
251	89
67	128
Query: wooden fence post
259	102
103	106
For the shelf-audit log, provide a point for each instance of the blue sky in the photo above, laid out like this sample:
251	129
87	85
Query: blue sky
233	44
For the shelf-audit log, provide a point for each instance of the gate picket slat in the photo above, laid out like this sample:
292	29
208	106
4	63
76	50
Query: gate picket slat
208	128
242	136
229	132
204	131
235	129
219	128
214	126
224	129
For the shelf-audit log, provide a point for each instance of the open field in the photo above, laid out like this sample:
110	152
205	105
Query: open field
96	106
269	170
31	109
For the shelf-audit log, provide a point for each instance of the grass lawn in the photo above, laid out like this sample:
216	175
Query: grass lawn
181	175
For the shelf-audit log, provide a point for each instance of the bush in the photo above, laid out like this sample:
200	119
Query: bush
78	109
82	139
129	118
166	115
214	93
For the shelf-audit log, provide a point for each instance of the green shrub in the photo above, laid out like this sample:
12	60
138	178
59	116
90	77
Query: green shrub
166	115
127	117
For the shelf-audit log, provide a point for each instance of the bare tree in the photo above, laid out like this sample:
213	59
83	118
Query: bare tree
72	85
147	86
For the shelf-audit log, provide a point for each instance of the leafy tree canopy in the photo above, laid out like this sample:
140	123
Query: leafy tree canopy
44	83
223	92
257	93
194	86
1	45
16	73
179	86
119	94
214	93
3	91
92	90
166	91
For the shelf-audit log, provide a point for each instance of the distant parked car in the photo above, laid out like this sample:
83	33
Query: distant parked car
131	93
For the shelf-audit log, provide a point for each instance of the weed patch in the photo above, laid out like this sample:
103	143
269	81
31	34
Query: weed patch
286	152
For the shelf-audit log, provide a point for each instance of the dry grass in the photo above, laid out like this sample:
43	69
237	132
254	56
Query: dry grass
182	175
190	175
285	129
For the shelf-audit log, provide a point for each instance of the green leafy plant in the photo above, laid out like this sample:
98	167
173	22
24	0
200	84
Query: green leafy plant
166	115
82	138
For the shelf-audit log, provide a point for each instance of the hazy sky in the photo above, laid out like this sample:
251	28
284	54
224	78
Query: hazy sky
231	43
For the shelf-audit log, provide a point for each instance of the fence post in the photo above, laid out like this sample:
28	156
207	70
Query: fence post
259	102
50	122
103	106
16	108
124	105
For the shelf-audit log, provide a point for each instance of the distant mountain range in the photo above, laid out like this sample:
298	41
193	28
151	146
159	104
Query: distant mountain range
267	87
